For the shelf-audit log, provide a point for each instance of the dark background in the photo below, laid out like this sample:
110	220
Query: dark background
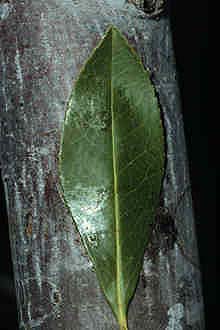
190	33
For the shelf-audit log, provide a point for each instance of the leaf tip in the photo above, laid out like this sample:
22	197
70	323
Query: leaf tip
112	30
123	326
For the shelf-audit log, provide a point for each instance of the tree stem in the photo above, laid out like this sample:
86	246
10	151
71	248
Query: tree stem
50	269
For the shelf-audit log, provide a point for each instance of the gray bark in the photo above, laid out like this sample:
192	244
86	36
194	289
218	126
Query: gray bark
44	44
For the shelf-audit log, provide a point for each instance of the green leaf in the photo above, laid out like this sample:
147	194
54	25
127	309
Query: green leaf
112	163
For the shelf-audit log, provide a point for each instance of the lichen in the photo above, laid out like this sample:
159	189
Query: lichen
175	314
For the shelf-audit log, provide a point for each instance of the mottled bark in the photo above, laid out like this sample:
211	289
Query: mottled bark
43	47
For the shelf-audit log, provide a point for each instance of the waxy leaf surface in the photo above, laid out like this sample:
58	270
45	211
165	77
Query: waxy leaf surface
112	163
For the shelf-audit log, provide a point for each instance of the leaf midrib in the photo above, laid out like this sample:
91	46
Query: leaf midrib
121	313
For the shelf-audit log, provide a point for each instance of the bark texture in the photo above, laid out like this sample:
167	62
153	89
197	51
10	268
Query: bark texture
44	44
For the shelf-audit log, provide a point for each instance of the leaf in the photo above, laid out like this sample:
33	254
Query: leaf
112	163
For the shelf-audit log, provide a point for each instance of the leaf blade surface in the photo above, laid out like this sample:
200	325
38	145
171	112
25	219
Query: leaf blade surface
111	165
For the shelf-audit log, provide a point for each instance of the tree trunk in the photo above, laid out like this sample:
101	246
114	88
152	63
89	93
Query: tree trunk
43	46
